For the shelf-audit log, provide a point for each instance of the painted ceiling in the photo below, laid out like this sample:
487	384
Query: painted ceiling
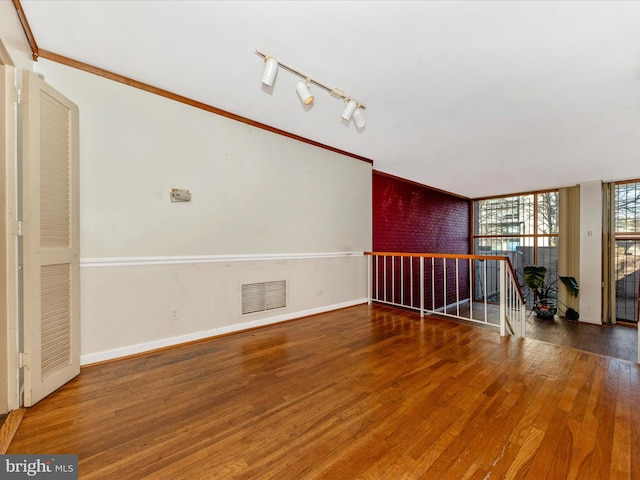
477	98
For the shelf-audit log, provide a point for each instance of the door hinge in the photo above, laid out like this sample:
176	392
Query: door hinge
14	95
21	360
17	228
19	96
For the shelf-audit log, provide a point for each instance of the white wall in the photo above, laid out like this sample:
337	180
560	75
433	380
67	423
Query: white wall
590	252
264	207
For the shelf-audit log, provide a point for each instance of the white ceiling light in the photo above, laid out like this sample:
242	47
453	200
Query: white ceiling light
348	110
358	117
353	108
304	93
270	71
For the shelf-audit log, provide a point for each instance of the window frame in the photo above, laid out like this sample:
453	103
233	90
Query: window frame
532	239
534	236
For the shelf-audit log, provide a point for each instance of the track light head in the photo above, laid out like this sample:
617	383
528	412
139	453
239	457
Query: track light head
358	118
270	71
304	93
349	109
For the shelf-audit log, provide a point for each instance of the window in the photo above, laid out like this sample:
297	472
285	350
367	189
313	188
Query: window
521	227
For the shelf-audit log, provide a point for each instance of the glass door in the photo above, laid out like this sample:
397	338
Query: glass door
627	271
627	250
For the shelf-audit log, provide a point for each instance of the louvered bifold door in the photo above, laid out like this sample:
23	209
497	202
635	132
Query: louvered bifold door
50	239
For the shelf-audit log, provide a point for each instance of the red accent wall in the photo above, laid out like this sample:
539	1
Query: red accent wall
408	217
412	218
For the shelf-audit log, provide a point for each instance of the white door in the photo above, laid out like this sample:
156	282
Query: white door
50	239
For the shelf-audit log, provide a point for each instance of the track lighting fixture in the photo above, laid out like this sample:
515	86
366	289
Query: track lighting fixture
304	93
349	109
270	71
353	108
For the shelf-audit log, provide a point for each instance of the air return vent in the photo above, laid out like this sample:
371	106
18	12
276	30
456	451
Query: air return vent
258	297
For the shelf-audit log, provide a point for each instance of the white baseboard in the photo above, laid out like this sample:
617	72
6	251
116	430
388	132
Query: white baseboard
190	337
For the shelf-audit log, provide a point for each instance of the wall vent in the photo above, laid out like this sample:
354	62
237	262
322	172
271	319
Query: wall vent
259	297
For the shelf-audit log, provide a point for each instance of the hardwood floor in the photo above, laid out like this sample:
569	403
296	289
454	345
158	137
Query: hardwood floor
619	341
10	424
365	392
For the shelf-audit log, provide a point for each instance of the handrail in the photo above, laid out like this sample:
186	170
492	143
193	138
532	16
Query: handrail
518	287
440	255
465	256
466	290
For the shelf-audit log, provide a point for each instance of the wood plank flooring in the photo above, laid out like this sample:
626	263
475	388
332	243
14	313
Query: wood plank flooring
619	341
9	427
368	392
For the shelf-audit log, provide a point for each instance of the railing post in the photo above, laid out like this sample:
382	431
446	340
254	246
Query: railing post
401	280
485	264
503	295
411	277
384	277
421	287
523	320
457	288
471	271
444	283
369	278
393	279
433	284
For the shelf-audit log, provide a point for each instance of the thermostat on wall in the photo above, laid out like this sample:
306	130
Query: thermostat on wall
180	195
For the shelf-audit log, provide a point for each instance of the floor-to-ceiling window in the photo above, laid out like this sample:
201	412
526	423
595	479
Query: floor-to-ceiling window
522	227
627	249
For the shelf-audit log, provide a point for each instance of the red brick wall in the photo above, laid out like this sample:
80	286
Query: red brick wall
412	218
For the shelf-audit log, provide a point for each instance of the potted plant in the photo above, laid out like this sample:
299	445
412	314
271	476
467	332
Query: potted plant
573	289
546	293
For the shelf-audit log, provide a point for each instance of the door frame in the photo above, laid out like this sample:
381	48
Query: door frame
9	312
